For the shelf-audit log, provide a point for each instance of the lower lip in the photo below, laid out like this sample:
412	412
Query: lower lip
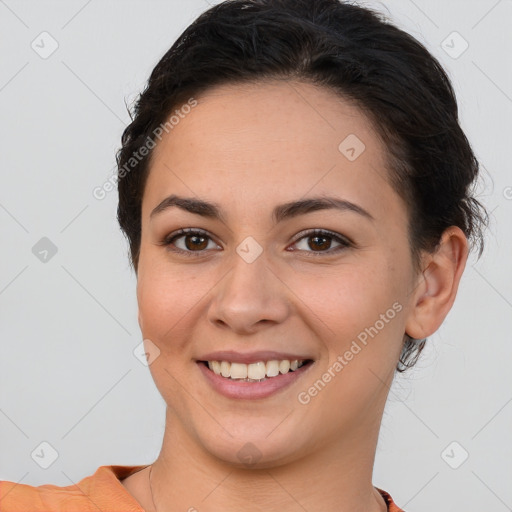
251	390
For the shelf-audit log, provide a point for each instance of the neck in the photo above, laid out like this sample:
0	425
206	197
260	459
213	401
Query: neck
335	477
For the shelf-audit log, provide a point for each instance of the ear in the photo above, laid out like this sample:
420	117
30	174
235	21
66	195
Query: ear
437	285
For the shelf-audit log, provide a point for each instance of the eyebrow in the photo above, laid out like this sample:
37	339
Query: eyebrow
280	212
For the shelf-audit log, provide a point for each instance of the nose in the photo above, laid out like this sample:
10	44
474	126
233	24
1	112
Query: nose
250	297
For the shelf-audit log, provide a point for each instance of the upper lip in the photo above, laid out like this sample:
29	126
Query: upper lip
251	357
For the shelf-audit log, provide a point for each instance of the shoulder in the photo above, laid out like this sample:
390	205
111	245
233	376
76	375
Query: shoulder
392	507
100	491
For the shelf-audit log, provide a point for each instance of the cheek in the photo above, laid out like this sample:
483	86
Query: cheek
360	303
362	322
167	302
358	318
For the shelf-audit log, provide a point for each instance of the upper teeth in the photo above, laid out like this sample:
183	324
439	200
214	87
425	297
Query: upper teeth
254	371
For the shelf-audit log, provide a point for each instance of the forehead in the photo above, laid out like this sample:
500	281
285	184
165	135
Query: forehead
261	141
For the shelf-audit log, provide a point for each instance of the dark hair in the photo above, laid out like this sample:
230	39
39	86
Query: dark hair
356	53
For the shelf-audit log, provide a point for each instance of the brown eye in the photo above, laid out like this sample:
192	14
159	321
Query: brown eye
320	241
193	242
188	241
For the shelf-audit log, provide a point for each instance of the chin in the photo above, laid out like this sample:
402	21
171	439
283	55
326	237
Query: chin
256	447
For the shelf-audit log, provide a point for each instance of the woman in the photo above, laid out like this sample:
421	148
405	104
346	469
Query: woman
294	187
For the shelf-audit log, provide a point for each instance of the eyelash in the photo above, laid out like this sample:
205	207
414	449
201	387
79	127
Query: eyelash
343	241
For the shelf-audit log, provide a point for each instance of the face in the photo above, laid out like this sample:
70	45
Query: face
259	280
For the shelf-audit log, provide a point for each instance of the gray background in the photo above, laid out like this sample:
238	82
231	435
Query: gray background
68	374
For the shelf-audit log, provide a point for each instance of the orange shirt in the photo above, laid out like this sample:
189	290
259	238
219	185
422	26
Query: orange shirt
101	491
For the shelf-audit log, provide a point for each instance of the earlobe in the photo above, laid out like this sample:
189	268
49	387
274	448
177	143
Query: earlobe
438	284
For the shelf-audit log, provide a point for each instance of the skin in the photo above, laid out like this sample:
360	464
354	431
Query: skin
249	148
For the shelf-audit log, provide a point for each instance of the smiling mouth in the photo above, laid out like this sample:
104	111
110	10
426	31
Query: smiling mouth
255	372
